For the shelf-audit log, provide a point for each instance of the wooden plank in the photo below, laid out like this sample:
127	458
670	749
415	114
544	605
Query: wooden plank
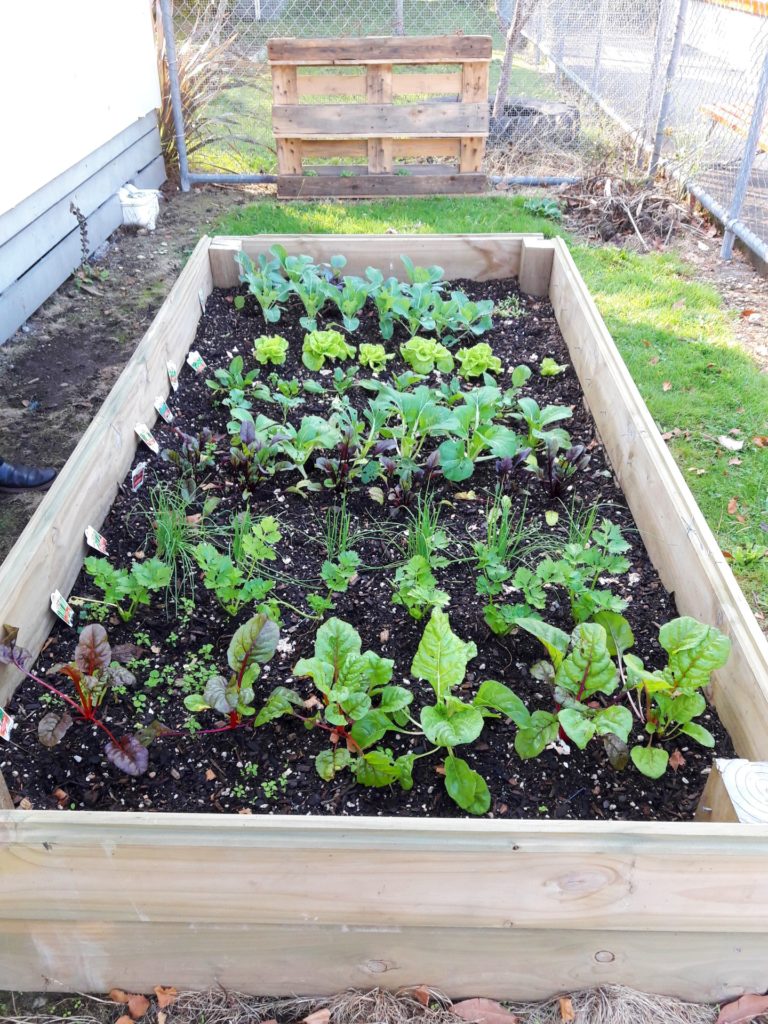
480	257
579	876
523	964
14	220
379	91
736	790
349	120
20	300
49	553
474	89
35	240
446	148
380	50
536	267
337	170
284	85
289	156
373	185
447	83
471	154
674	531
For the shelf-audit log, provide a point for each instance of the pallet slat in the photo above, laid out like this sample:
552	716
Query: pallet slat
401	148
345	120
409	84
373	185
380	50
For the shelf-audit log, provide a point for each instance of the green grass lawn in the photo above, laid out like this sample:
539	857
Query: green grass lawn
671	330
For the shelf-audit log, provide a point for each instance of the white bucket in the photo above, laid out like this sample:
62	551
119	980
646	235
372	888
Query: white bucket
140	206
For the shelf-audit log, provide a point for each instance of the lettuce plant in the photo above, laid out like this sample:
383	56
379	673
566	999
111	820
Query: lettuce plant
426	354
270	348
126	589
322	345
252	645
374	357
91	672
477	360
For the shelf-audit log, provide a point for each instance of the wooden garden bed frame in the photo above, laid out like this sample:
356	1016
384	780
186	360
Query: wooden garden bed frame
280	904
375	127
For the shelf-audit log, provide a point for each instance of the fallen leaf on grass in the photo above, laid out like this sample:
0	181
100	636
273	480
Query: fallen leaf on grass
667	385
760	441
566	1010
676	760
421	994
744	1009
117	995
166	995
733	507
735	461
137	1005
124	1019
680	304
730	443
318	1017
485	1011
653	360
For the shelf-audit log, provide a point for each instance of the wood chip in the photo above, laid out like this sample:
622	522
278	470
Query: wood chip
484	1011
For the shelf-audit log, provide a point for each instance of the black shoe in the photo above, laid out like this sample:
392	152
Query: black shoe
16	479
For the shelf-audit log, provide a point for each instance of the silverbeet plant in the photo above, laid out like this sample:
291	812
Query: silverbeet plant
253	644
91	673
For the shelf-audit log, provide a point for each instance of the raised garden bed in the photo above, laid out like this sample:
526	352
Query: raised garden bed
448	902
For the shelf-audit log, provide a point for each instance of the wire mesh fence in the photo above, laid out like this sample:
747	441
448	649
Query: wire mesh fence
610	86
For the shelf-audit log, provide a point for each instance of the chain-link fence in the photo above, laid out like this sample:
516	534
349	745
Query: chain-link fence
611	85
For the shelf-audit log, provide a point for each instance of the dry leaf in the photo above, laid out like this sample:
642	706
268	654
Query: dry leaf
761	441
166	995
735	461
440	769
733	507
318	1017
422	994
666	386
566	1010
210	774
680	304
118	996
161	1017
485	1011
124	1019
465	496
137	1005
653	361
744	1009
676	760
730	443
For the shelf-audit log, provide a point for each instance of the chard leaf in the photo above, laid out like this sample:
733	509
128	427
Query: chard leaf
619	636
554	640
651	761
52	727
531	741
394	698
336	640
616	721
196	702
329	762
253	643
577	726
588	667
128	755
280	702
215	696
695	651
499	697
93	651
370	729
378	768
451	723
441	657
699	733
466	787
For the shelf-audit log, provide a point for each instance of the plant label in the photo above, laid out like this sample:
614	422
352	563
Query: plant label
6	724
196	361
137	476
146	436
201	300
61	607
95	540
173	374
162	407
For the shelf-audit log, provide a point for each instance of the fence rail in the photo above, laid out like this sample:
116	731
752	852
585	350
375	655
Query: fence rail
684	81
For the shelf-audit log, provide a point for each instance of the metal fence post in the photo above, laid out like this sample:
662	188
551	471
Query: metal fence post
596	69
750	152
558	49
173	78
669	78
650	111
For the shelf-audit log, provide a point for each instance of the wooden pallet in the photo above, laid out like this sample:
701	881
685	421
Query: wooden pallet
376	127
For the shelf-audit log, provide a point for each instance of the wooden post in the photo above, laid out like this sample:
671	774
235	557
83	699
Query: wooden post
474	89
378	89
285	89
736	791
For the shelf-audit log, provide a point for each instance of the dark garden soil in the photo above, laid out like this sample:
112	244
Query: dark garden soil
271	770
